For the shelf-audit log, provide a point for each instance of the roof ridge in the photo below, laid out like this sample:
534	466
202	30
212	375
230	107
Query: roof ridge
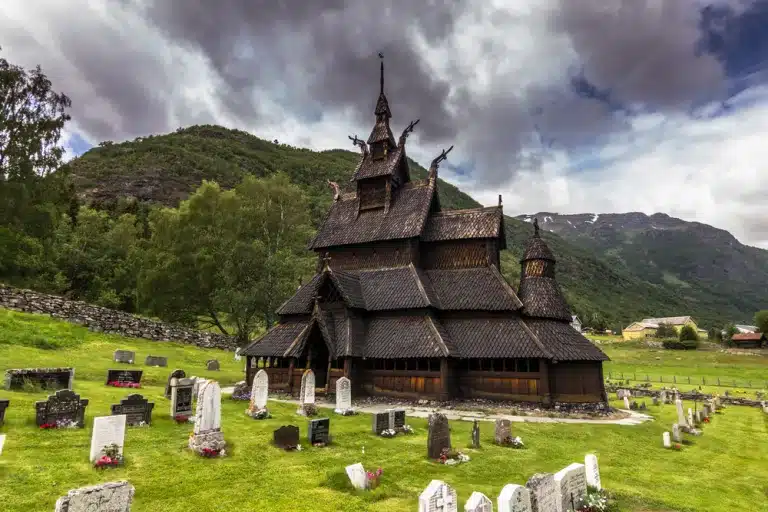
420	285
463	211
506	285
296	339
431	323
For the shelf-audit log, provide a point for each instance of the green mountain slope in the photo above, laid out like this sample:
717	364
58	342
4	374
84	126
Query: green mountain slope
164	169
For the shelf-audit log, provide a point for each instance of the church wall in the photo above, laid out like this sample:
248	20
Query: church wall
577	381
371	256
492	379
453	254
372	192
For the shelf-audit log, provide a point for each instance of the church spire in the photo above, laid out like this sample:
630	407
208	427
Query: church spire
381	79
381	140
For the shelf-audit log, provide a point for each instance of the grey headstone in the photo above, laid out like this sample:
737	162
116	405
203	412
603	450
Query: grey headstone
212	365
50	379
109	497
543	492
438	435
380	422
571	486
124	356
503	431
156	361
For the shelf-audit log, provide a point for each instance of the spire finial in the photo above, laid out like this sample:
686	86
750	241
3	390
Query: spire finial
499	199
536	227
381	79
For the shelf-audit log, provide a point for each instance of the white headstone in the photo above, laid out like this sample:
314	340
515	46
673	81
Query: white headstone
663	396
438	497
543	492
2	442
237	354
307	393
260	390
208	411
681	420
107	430
593	471
514	498
357	476
690	417
478	502
676	433
570	486
343	395
667	440
626	402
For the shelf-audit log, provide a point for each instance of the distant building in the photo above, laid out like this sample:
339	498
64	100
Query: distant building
576	323
749	340
646	328
746	328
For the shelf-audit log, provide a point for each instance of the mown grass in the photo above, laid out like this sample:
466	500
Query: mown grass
723	470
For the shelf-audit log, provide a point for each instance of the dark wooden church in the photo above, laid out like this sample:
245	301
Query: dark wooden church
408	299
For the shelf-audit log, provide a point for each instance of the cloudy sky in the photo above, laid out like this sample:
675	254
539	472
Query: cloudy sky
566	106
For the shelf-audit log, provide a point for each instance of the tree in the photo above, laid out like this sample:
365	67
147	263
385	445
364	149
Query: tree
715	335
227	259
688	333
728	331
666	331
761	320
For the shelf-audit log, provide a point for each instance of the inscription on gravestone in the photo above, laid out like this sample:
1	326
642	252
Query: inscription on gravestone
181	397
397	419
124	376
107	430
343	395
156	361
438	435
136	409
175	374
515	498
3	406
543	492
65	406
380	422
571	486
592	471
109	497
319	431
286	437
438	497
124	356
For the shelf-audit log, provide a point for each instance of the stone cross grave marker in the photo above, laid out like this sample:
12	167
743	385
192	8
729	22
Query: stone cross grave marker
124	376
136	408
319	430
514	498
357	476
571	486
107	430
286	437
156	361
681	420
666	440
676	435
124	356
212	365
109	497
3	406
626	403
260	390
543	492
503	431
478	502
475	434
49	379
2	442
65	406
438	497
593	471
438	435
343	395
380	422
175	374
208	411
181	397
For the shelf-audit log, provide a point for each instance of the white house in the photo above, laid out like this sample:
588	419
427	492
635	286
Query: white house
576	323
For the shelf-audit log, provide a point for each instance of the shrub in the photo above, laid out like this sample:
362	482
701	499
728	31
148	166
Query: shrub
688	333
675	344
665	331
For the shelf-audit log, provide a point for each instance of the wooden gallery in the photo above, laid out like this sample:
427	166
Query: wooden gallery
408	300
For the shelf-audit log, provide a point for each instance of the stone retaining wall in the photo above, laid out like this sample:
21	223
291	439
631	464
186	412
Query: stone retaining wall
106	320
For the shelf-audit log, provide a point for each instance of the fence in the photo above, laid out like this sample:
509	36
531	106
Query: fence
694	381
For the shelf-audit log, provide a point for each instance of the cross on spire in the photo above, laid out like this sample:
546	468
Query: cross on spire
536	227
381	79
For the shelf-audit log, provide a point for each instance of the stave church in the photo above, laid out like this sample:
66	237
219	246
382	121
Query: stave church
408	300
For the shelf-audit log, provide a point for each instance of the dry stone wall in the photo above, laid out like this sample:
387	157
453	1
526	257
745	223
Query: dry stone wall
106	320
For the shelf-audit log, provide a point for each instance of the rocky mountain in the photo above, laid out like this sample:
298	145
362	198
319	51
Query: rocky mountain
599	284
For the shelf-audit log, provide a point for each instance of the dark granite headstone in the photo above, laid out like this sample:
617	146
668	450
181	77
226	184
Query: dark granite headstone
287	437
3	407
64	406
49	379
475	434
136	408
121	376
212	365
181	397
319	431
124	356
175	374
380	422
397	421
156	361
438	435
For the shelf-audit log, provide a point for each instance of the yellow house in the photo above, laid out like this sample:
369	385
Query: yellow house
646	328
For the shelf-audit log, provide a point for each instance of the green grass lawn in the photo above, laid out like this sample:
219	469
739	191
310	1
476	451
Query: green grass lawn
724	470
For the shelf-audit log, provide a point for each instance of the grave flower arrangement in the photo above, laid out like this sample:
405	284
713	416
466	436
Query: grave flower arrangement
514	442
211	453
258	414
346	412
59	424
308	410
181	418
372	478
450	458
595	501
677	446
706	419
110	459
118	384
388	432
407	429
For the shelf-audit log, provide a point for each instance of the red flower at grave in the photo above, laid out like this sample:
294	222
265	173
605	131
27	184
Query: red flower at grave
677	446
706	420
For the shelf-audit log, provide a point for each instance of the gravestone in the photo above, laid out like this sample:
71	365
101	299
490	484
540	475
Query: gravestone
212	365
3	406
666	440
307	392
503	431
681	420
593	471
357	476
343	395
676	434
65	406
196	381
181	397
438	436
543	492
2	442
478	502
623	393
175	374
689	418
107	430
124	356
514	498
438	497
699	416
396	419
136	408
109	497
50	379
380	422
663	396
626	403
571	486
475	434
286	437
156	361
318	431
207	433
124	376
655	400
238	357
259	392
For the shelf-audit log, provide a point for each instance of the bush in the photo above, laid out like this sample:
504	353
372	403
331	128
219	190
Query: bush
688	333
675	344
665	331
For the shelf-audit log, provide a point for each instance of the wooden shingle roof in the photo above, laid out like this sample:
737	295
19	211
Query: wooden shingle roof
537	249
406	336
482	288
371	168
542	298
493	337
462	224
279	339
563	342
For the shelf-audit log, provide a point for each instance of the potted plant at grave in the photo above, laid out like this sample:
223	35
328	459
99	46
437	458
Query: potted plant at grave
111	457
372	478
181	418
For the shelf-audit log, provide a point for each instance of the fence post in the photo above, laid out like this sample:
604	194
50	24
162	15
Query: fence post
674	379
689	380
718	381
703	381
